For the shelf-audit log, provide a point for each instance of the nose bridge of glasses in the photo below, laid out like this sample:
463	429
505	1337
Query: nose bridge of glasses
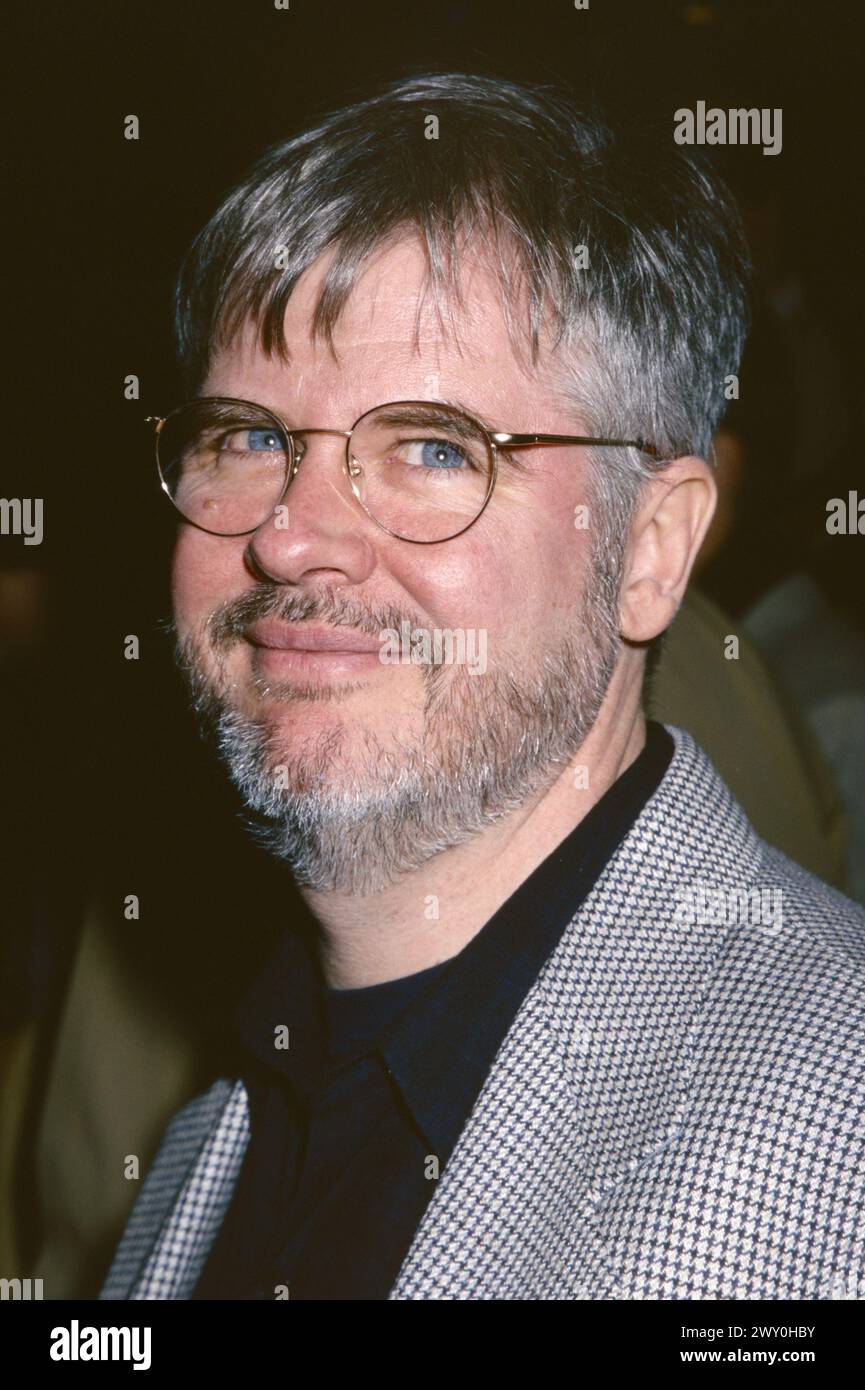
298	437
344	434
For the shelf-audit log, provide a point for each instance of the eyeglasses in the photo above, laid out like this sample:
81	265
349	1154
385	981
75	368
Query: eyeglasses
423	471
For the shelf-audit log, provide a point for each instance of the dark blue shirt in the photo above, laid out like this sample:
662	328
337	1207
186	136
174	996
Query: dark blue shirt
353	1123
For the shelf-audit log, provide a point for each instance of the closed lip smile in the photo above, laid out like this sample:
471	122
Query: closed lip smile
285	651
302	637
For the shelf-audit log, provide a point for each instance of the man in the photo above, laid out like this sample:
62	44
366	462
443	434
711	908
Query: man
553	1022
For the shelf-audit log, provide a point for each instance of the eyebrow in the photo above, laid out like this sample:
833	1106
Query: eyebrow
469	410
437	412
421	416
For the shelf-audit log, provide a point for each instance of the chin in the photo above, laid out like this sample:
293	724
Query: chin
292	722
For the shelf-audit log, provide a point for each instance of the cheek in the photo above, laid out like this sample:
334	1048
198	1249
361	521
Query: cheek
205	571
513	585
533	566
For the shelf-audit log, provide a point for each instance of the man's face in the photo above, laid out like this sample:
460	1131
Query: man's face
323	743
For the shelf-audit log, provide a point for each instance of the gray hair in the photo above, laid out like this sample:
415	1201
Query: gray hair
648	331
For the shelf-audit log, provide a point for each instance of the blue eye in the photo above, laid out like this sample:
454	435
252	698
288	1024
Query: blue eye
264	439
440	453
255	439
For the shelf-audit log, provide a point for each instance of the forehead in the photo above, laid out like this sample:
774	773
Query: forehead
394	338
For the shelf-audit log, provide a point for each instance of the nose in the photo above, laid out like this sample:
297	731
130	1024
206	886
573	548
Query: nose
318	528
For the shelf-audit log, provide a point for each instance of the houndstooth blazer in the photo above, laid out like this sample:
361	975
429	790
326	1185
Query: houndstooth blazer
676	1111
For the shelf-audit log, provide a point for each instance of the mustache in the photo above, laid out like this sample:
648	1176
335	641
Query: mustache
228	624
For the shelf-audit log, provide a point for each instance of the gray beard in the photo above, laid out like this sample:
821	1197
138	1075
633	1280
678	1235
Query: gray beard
354	824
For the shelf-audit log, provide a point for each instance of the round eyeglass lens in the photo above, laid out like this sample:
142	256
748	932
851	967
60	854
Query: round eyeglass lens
224	464
422	470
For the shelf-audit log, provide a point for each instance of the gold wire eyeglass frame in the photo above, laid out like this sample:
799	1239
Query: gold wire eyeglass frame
495	439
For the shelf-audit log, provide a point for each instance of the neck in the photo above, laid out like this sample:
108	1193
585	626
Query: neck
429	915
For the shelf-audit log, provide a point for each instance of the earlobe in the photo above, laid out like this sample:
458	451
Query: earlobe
647	610
668	529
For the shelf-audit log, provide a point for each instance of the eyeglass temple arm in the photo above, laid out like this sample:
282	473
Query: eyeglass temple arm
521	440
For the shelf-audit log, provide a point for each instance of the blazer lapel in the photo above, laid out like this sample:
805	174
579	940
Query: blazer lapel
592	1079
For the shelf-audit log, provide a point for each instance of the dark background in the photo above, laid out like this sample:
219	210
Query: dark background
105	776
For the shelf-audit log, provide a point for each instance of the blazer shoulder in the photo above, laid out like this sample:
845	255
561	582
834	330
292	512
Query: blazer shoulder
701	825
182	1143
784	952
820	917
784	1003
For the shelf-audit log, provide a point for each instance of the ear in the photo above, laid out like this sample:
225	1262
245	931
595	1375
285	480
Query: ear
671	519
